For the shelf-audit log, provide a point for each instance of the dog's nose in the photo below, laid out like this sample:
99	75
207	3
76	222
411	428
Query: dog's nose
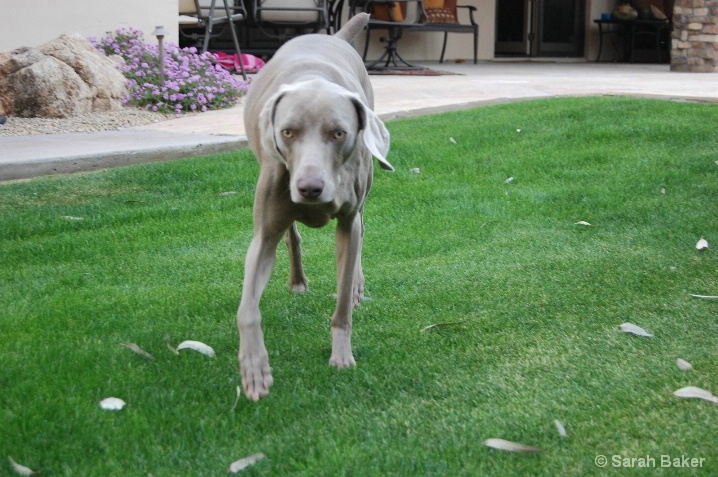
310	187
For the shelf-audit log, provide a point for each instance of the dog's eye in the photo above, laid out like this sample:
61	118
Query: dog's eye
287	133
339	134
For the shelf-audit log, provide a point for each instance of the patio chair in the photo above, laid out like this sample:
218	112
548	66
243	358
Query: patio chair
396	16
299	15
197	21
442	16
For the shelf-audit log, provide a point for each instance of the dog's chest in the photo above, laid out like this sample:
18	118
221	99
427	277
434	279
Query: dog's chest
315	220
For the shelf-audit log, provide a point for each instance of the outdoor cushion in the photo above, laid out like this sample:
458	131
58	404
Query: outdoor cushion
441	15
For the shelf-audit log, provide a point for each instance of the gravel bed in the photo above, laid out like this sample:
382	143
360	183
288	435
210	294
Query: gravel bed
92	122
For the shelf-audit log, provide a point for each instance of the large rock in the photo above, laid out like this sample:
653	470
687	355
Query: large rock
62	78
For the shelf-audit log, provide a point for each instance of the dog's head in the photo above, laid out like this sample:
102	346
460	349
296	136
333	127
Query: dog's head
314	128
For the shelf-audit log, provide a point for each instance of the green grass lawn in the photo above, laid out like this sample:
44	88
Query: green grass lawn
158	257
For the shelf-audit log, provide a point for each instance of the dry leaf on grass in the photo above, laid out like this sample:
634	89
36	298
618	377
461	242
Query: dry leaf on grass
196	346
415	171
702	244
509	180
581	222
236	401
21	469
452	140
636	330
134	347
697	393
70	218
683	365
442	325
112	404
228	193
242	464
509	446
560	428
705	297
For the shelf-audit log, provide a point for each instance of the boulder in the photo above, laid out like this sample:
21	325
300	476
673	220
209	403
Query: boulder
62	78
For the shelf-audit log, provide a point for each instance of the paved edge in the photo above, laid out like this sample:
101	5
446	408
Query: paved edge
95	162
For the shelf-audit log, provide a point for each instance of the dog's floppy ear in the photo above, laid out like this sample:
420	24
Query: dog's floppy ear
376	136
268	140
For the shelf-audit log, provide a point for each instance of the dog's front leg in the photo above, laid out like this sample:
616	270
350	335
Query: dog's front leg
253	358
348	246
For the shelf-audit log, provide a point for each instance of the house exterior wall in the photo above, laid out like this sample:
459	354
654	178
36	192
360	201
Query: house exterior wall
34	22
594	9
31	23
427	46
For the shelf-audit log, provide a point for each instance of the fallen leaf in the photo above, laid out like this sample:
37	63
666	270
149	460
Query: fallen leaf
509	180
702	244
697	393
581	222
518	130
134	347
196	346
452	140
509	446
20	469
442	325
561	429
225	194
242	464
112	404
705	297
236	401
70	218
636	330
683	364
415	170
663	191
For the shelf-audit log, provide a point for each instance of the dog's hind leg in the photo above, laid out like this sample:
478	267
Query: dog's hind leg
358	287
297	280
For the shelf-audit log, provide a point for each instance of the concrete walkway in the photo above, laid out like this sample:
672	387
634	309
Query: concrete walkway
395	97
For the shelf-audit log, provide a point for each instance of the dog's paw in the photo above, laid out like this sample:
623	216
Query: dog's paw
299	287
342	356
256	374
341	362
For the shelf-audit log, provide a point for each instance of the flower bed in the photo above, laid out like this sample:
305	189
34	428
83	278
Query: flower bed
192	81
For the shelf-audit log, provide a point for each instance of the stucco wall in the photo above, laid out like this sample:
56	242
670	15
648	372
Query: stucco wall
594	9
33	22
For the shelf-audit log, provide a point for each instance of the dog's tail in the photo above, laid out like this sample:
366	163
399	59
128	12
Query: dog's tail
352	27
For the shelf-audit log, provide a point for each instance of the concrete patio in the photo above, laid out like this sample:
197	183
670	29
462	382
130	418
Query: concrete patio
395	97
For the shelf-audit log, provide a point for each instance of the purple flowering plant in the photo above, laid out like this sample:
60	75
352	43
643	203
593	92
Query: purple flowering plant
192	82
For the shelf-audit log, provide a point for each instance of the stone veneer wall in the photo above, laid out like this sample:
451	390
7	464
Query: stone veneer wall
695	36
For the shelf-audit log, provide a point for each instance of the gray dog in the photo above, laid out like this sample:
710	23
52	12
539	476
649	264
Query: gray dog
311	125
